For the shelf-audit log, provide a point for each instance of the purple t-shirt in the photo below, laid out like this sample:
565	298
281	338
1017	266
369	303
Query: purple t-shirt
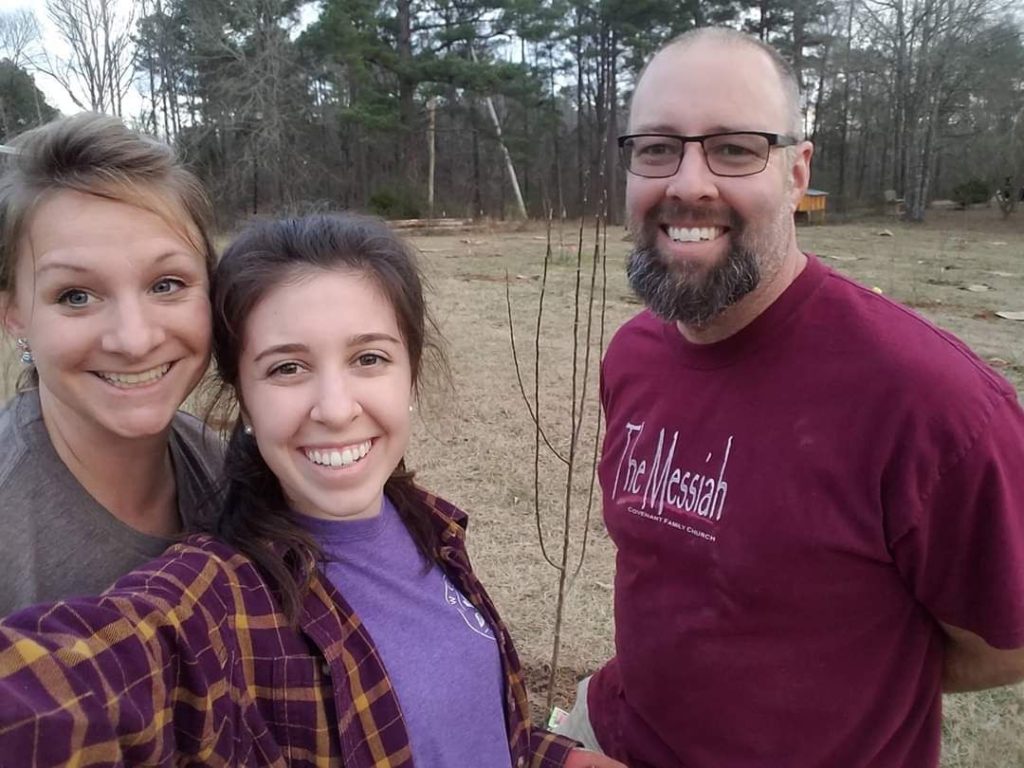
439	652
795	508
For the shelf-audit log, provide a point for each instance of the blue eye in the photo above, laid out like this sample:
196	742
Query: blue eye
74	297
167	285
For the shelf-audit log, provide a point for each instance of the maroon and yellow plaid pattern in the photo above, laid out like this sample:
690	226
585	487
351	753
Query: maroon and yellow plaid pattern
188	661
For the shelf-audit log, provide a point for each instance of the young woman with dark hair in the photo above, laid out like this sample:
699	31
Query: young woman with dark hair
333	617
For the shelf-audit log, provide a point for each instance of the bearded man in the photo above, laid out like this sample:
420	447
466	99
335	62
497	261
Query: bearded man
816	494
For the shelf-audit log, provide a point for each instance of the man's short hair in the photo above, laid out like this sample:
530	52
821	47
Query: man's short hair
787	75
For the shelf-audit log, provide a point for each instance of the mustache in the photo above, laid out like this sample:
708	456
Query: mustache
645	229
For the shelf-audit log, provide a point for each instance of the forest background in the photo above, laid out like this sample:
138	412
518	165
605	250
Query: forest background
502	108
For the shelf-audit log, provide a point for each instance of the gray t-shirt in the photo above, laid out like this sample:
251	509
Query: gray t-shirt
57	541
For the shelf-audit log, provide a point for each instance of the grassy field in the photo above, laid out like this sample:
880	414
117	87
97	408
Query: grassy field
474	442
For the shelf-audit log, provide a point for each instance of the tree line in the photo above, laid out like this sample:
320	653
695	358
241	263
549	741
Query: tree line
500	108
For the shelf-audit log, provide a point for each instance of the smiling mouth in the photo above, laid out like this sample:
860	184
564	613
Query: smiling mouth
338	457
134	380
694	234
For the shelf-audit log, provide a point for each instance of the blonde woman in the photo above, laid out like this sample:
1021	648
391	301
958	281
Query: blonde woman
104	285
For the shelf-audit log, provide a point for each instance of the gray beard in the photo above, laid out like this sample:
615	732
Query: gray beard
679	293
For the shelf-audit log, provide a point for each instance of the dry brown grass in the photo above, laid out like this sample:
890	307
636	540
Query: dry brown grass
474	444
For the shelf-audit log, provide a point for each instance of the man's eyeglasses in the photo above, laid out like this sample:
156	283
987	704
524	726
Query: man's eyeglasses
736	153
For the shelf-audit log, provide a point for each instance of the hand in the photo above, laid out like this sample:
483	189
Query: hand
583	758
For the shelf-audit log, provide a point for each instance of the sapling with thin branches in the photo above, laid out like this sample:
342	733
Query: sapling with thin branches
572	457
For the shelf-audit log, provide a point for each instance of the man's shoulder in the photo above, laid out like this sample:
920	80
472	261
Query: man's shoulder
883	337
642	327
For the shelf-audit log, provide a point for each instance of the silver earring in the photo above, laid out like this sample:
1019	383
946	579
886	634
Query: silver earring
247	429
26	351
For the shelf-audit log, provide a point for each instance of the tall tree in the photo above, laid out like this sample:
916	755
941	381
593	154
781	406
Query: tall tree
22	106
98	70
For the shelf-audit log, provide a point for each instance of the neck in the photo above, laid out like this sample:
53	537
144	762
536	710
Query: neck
741	314
132	478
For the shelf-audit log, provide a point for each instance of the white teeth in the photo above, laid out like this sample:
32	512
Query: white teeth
694	234
343	458
127	380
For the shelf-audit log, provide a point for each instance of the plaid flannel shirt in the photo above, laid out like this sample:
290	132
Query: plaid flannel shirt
189	661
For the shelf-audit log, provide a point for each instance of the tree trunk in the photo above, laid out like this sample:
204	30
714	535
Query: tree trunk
406	93
432	149
845	118
510	168
478	203
614	204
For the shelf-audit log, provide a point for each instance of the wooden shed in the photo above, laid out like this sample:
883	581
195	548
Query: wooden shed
813	205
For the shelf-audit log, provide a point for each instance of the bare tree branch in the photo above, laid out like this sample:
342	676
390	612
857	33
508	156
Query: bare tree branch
100	67
19	35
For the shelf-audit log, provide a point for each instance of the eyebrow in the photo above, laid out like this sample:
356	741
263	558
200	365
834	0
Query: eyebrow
671	129
355	341
68	266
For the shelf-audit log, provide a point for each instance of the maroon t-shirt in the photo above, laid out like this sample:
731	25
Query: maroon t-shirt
794	509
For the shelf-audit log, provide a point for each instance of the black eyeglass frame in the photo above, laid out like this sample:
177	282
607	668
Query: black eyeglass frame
774	140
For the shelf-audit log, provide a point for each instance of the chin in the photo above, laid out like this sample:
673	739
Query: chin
140	426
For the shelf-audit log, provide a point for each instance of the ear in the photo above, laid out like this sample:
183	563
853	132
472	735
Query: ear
799	172
10	317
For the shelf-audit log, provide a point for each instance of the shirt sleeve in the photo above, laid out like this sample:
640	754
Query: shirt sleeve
102	679
963	555
549	750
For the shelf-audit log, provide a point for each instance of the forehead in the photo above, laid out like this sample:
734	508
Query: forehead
321	302
96	233
708	86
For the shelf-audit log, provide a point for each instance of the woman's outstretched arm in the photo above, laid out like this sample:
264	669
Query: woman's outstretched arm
140	674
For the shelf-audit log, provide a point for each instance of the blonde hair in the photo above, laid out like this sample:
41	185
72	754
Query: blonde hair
98	155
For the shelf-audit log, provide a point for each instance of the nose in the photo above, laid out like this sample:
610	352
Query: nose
336	401
693	181
135	331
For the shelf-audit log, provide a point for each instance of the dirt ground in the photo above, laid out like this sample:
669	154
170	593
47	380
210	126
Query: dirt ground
476	443
474	440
